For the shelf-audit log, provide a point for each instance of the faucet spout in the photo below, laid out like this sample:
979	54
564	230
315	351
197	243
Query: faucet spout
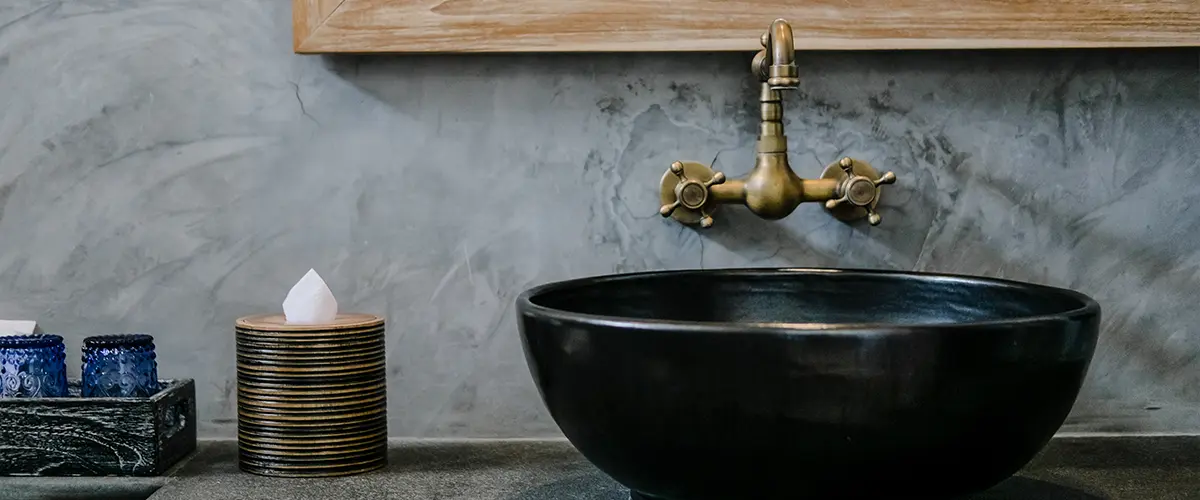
781	47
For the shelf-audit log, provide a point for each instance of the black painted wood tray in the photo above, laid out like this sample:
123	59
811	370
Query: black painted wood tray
77	436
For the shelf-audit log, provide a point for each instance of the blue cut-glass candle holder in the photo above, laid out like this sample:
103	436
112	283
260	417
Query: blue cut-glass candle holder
33	366
119	366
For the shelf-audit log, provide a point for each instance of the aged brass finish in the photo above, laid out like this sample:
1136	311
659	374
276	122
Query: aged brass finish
691	192
858	190
685	193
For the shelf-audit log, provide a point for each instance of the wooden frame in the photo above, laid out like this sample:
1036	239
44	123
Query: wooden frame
423	26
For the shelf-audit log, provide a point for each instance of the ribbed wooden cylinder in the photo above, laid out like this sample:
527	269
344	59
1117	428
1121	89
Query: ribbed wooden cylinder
312	399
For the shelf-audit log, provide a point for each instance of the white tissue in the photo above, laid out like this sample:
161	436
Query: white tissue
18	327
310	302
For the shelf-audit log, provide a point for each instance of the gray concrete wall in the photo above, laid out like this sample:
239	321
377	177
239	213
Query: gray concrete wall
167	166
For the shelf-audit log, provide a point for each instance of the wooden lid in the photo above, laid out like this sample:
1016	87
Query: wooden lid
277	323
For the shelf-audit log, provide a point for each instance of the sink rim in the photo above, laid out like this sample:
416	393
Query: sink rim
526	305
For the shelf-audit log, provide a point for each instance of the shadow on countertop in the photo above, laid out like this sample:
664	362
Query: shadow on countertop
596	486
1024	488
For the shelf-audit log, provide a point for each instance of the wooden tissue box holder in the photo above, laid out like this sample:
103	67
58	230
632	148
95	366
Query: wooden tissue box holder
75	436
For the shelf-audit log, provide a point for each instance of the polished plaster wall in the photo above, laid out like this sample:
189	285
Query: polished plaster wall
167	166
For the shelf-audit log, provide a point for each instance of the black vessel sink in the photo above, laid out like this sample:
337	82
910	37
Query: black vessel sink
806	383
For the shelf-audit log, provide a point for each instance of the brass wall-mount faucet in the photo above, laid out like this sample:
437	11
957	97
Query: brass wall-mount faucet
691	192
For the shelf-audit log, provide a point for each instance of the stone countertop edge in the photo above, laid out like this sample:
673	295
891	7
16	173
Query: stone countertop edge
90	487
1142	467
1069	468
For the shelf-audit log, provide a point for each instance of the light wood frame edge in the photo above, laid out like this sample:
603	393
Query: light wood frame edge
308	16
316	22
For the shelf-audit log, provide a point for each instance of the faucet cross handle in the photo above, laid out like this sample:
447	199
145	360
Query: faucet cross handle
686	193
858	190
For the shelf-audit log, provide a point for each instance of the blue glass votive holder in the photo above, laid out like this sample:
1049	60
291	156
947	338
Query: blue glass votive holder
33	366
119	366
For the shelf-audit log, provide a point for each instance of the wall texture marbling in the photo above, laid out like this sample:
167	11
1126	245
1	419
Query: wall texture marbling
167	166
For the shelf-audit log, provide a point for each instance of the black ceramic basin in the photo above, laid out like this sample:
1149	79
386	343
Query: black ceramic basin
803	383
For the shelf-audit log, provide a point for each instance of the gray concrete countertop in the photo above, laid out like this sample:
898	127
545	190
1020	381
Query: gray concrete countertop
1141	468
425	470
1092	468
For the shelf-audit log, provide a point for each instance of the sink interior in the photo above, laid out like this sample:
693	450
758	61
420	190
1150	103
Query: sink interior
831	298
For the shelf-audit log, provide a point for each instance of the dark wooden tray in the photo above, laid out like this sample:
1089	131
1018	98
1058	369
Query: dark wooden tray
77	436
